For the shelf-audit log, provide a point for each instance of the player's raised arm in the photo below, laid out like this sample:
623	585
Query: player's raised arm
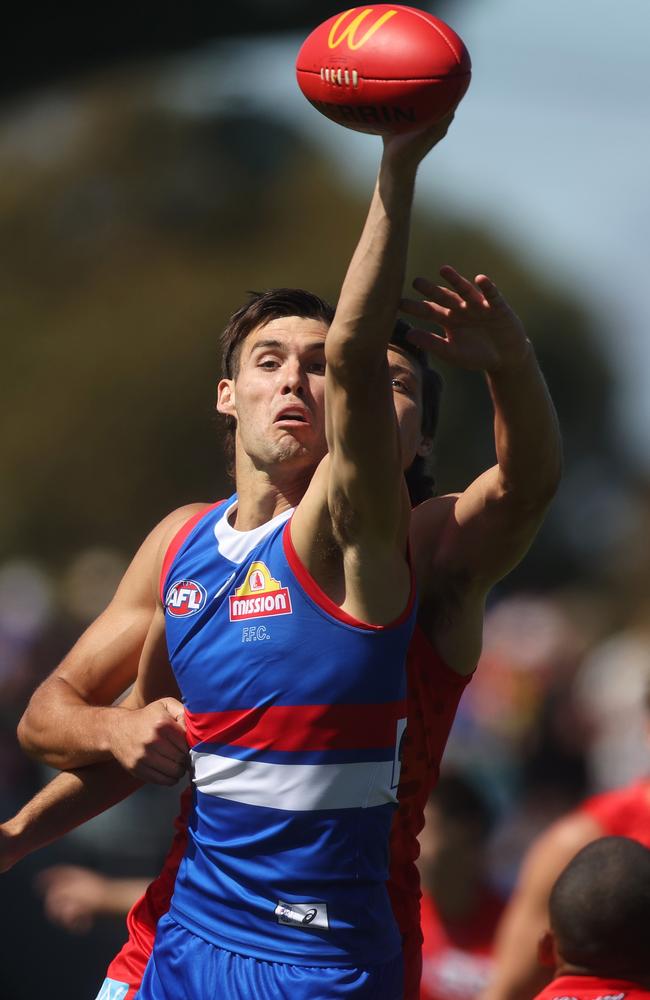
366	493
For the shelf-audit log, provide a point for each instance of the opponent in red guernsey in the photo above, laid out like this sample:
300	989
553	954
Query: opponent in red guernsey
599	914
621	812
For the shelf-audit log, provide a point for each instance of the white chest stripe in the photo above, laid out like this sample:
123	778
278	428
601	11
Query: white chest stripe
296	787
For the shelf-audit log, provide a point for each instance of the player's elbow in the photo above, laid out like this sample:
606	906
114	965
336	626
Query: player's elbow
28	733
530	496
35	734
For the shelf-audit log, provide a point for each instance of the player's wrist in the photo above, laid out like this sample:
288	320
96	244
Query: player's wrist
517	362
14	842
109	731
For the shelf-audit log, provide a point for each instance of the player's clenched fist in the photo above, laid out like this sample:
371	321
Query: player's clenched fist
150	742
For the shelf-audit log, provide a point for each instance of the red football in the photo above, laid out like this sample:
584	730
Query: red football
383	69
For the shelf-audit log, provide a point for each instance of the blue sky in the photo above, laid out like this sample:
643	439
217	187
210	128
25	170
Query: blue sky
550	148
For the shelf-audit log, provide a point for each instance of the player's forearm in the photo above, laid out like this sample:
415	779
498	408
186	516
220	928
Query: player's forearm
527	434
61	729
371	291
66	802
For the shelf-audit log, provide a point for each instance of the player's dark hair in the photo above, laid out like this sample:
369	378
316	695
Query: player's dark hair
263	307
600	909
458	800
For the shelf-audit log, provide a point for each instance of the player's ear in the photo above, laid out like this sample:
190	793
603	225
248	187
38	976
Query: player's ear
425	447
226	397
546	954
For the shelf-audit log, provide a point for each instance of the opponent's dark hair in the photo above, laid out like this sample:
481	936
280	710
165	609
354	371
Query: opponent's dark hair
275	303
600	909
419	479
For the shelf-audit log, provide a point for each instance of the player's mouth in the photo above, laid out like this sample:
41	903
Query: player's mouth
293	416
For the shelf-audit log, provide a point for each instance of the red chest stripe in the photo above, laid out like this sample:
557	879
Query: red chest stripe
299	727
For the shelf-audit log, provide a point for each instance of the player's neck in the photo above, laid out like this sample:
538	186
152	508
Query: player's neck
262	497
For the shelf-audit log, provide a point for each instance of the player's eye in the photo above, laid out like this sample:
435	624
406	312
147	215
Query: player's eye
268	363
317	367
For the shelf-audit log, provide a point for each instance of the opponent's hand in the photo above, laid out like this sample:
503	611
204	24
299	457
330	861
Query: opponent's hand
409	148
480	330
150	742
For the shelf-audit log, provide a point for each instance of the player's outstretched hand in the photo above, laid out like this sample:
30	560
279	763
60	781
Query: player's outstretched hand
150	742
479	329
408	149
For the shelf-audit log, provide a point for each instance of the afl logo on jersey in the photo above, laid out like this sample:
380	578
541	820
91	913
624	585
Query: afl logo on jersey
184	598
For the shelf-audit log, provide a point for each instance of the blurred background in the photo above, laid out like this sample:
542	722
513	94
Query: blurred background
155	168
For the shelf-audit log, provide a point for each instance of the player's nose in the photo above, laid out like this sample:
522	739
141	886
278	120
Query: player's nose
294	377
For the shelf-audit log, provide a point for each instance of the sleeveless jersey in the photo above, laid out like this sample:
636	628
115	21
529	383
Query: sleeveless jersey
294	717
433	694
592	988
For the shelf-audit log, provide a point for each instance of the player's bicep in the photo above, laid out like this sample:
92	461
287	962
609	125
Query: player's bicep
155	678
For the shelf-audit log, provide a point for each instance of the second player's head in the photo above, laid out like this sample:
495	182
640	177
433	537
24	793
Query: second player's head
599	911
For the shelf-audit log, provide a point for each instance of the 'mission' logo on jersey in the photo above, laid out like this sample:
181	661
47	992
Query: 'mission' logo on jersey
259	595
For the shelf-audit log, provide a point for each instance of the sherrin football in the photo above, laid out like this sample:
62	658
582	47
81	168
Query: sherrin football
383	69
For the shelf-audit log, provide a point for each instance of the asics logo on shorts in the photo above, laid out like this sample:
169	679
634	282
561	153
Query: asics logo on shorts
302	914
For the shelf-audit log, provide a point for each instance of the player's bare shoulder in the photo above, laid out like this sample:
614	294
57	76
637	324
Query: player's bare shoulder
141	581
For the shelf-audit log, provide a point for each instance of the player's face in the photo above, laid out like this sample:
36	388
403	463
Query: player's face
278	394
406	380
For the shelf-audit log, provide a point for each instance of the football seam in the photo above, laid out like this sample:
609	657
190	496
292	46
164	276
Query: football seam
391	79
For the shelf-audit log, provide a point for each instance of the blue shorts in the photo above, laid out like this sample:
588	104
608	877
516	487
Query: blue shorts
184	965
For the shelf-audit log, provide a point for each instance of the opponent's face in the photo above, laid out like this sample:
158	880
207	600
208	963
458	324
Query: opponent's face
277	396
406	380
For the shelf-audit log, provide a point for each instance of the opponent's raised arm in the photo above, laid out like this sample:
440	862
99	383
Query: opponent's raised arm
492	523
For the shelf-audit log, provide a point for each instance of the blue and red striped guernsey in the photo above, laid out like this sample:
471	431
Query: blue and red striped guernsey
295	715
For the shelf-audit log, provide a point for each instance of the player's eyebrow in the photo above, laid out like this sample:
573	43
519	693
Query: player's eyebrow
397	369
278	345
264	345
